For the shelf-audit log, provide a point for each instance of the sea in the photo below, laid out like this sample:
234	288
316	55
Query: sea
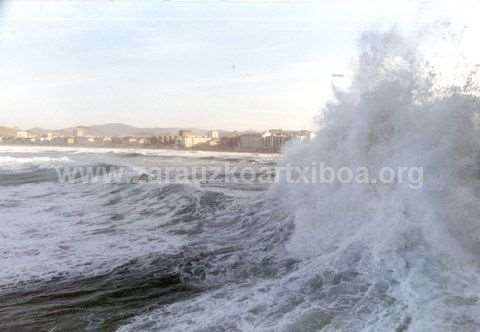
134	248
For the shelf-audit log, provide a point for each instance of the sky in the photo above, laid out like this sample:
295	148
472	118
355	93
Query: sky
234	65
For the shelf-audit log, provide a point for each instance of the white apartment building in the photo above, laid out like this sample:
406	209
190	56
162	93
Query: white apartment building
78	132
274	139
213	134
23	134
191	141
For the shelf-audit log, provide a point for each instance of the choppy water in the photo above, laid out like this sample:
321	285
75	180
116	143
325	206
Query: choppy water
213	256
89	256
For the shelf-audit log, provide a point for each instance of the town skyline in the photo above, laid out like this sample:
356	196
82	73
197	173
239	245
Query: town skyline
129	126
121	136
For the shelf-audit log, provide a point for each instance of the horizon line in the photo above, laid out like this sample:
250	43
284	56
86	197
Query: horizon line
19	128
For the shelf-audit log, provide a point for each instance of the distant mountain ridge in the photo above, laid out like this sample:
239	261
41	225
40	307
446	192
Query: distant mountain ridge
117	130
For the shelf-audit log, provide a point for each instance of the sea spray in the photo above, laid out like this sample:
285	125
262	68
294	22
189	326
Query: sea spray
395	114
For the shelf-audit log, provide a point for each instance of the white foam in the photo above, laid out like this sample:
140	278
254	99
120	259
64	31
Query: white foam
394	115
146	152
15	163
50	230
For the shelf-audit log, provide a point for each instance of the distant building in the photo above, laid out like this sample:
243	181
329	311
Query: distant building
144	141
274	139
213	134
131	140
22	134
90	140
186	139
58	140
117	140
167	140
191	141
48	137
78	132
214	142
230	142
185	133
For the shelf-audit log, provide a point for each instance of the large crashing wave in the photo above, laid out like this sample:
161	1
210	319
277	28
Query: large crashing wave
426	241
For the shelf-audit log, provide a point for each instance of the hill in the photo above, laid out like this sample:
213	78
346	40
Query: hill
117	130
6	131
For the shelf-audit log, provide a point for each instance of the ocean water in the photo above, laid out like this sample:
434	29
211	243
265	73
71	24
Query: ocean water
94	255
219	256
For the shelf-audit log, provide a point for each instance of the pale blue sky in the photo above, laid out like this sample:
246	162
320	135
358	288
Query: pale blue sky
216	64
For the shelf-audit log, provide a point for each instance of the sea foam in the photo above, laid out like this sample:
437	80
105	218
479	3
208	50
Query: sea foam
396	114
